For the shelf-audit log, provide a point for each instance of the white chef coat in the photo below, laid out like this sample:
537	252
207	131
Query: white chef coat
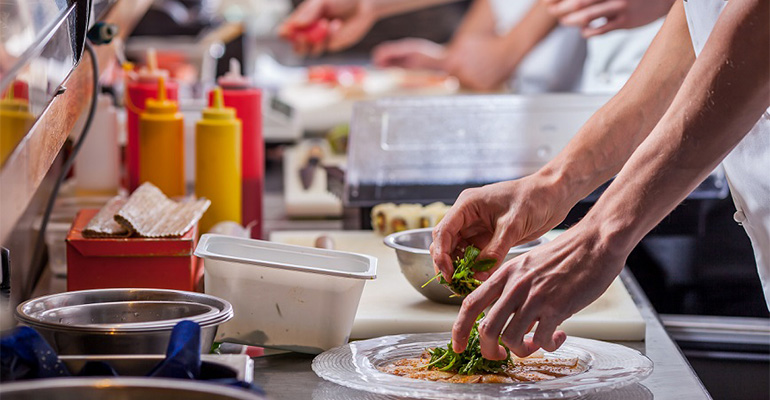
554	65
747	166
613	57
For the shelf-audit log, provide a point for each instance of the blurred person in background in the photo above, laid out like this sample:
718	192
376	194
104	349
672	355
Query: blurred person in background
498	41
618	33
670	125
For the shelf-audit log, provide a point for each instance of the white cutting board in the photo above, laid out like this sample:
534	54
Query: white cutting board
390	305
315	201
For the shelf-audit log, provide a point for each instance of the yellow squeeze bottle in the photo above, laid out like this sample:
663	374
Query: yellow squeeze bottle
161	144
15	121
218	163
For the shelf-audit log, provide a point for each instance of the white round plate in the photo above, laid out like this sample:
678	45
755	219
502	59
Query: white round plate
608	366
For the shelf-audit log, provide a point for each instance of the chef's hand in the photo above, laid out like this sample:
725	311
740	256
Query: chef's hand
546	285
328	25
410	53
499	216
481	62
619	14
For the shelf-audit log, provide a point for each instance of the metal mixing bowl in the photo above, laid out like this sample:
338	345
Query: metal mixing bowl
413	251
121	321
94	388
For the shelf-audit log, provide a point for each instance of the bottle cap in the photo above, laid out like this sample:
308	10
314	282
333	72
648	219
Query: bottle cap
217	109
160	105
233	79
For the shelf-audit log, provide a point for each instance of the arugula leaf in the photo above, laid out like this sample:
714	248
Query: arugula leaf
463	281
470	361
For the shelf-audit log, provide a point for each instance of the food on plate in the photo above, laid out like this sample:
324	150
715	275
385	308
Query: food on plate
388	217
442	364
463	282
530	369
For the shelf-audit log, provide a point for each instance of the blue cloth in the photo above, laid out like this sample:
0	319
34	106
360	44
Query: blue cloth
24	354
183	354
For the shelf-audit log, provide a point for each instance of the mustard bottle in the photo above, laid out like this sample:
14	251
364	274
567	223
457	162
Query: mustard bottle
218	163
15	121
161	144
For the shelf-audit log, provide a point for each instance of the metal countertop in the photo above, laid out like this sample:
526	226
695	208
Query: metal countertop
289	376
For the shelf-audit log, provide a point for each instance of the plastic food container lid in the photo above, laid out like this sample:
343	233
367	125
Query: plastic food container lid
285	256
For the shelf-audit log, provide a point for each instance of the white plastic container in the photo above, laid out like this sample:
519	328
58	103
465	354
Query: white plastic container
286	297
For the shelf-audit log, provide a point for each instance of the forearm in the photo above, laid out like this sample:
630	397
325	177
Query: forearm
604	144
479	19
536	24
722	97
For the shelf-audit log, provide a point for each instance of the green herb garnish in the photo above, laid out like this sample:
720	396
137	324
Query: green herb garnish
470	361
463	281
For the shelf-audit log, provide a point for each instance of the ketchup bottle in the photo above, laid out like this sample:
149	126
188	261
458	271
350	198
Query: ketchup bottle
143	87
241	95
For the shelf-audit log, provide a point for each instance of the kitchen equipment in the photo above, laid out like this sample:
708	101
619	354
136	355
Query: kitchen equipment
413	252
161	144
389	305
218	165
288	297
121	321
163	263
97	388
307	172
138	91
431	148
97	169
213	366
610	366
315	201
240	94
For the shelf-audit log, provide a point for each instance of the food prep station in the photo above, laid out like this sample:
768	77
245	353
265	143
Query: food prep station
320	276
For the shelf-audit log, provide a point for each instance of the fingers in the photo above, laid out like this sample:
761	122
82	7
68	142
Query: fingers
582	18
561	8
513	335
546	336
618	22
472	306
492	325
306	13
445	238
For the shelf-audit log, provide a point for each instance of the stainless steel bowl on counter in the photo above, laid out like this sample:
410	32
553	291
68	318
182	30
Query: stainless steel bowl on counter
413	252
94	388
121	321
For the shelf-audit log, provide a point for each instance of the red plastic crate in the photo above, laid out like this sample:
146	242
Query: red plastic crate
161	263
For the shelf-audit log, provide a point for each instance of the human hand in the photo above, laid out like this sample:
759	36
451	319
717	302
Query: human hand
411	53
481	62
546	285
328	25
497	217
620	14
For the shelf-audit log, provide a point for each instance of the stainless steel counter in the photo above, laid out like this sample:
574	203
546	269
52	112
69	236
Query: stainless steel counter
289	376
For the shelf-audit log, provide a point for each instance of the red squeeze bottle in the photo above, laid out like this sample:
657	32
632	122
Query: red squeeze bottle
144	87
241	95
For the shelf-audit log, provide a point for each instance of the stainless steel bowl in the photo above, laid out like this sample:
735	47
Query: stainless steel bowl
121	389
413	252
121	321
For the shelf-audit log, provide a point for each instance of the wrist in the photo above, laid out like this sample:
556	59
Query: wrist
563	182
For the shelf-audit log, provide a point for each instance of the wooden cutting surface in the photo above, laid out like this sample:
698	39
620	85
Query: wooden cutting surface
390	305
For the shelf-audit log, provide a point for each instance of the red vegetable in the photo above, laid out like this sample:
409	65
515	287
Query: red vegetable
314	33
